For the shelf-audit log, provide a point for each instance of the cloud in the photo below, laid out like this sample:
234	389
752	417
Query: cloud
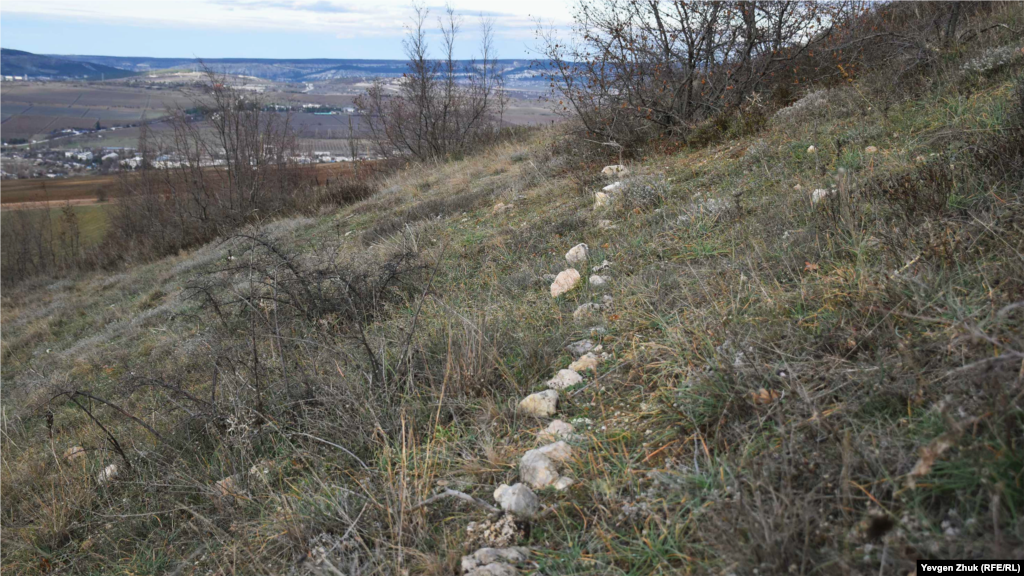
349	19
320	6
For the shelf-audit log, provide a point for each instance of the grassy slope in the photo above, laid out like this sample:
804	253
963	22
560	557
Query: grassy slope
858	311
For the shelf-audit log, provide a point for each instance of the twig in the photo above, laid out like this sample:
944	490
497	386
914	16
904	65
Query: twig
342	448
416	315
456	494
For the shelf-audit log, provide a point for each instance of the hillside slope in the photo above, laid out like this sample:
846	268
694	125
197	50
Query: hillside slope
21	63
810	356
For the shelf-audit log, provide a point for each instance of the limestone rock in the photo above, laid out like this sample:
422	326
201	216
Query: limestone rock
517	499
819	195
580	347
584	311
557	430
602	200
564	379
541	404
74	453
538	467
563	483
564	282
615	170
499	533
107	474
485	556
493	569
586	362
596	280
612	187
537	470
556	451
578	253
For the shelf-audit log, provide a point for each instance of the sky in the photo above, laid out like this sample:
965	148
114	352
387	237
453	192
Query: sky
260	28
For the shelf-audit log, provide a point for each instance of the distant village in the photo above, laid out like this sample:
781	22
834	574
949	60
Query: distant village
19	164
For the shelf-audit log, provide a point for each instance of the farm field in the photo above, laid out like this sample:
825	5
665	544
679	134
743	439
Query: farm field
93	220
32	110
57	189
88	188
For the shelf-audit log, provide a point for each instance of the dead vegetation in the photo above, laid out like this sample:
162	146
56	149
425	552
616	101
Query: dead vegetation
792	384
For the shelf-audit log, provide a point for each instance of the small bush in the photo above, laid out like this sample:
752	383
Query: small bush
642	193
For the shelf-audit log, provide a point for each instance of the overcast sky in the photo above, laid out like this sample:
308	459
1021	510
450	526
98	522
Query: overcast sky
257	28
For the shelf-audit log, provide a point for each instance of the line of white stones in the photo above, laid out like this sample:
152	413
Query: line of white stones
539	468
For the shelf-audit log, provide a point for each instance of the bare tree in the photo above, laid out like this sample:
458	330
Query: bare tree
440	107
635	69
227	159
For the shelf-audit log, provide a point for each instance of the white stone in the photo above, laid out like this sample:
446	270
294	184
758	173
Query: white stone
586	362
563	483
538	469
540	404
500	533
612	187
580	347
602	200
596	280
578	253
493	569
584	311
564	282
615	169
564	379
74	453
517	499
557	430
485	556
107	474
557	451
607	300
820	194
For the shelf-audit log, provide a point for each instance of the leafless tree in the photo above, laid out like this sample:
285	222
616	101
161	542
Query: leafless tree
441	107
641	68
226	159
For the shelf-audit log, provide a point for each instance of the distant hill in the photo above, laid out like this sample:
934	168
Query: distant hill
19	63
288	70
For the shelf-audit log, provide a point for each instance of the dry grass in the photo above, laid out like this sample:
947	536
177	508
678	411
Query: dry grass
876	321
